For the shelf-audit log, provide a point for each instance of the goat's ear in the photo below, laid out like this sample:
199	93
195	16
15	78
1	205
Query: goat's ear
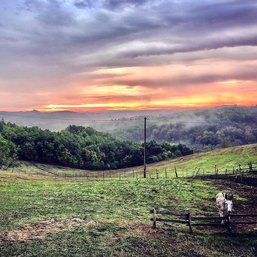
226	196
232	197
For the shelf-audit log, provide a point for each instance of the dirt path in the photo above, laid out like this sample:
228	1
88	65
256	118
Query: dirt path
42	229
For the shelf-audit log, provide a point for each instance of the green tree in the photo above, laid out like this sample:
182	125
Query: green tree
7	152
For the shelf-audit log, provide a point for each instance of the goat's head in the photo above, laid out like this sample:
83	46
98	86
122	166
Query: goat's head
228	203
228	206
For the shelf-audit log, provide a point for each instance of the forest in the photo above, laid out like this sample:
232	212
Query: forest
78	147
202	129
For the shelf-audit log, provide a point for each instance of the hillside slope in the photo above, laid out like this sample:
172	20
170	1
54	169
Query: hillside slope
226	158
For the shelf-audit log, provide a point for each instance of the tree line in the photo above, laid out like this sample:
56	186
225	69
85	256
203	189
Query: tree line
79	147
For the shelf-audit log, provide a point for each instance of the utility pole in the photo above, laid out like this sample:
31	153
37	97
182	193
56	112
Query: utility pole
145	148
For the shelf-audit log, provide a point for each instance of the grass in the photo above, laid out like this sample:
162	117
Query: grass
116	215
42	214
226	158
24	200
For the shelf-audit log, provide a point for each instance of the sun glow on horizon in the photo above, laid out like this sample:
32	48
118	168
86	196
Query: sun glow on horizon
202	101
170	86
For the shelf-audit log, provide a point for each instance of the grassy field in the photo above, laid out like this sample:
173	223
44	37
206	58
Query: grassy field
56	216
226	158
49	217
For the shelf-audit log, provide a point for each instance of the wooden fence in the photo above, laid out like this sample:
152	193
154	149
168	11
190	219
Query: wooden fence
166	173
240	170
191	221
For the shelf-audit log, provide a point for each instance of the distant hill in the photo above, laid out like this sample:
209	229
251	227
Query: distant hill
59	120
201	129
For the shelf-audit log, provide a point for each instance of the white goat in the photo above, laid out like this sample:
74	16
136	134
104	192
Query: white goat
224	204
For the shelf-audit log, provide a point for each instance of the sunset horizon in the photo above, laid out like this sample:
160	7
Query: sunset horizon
93	109
82	55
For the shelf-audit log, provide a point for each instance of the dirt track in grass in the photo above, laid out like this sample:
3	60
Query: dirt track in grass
42	229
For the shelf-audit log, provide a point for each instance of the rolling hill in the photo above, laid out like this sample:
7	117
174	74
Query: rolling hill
225	158
44	214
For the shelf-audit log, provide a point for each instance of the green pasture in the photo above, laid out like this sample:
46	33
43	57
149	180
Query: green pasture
55	211
115	215
227	158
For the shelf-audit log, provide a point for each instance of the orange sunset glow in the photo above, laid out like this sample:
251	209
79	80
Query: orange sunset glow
155	87
126	60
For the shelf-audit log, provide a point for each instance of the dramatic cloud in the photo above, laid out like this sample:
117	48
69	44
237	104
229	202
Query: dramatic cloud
135	53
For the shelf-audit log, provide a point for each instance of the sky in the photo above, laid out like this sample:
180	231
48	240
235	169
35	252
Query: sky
97	55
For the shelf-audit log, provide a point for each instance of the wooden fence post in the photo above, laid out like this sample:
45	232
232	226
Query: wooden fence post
166	174
189	218
154	218
133	173
176	174
157	174
250	167
228	223
240	169
215	169
240	172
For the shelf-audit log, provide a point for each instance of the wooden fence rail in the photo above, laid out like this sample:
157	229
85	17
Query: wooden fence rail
239	172
243	215
193	220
